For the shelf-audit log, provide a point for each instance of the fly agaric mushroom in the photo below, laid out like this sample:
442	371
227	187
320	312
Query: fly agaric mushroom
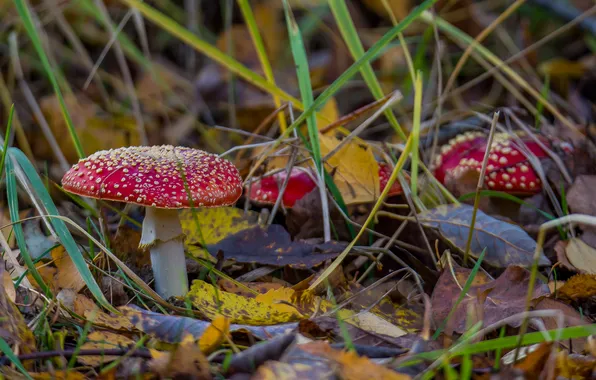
161	178
508	167
266	189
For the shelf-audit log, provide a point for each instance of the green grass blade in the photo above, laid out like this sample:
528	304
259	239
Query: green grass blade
209	50
13	210
6	138
253	29
62	231
367	57
350	35
25	15
462	294
303	73
6	350
416	134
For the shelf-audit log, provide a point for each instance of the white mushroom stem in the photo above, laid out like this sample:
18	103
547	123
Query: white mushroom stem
162	234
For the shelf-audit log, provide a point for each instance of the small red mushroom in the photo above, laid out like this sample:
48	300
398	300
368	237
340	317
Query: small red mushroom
160	178
508	167
266	189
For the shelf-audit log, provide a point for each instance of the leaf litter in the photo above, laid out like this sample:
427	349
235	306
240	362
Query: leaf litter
250	312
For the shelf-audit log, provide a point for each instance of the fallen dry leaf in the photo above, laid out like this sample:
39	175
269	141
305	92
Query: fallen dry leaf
185	361
354	169
215	334
58	375
573	366
260	287
350	366
506	244
214	225
581	255
274	246
533	364
67	275
103	340
505	296
172	328
263	310
578	287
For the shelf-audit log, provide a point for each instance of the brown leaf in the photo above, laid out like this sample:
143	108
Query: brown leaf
580	195
274	246
13	327
67	275
571	318
534	362
185	361
58	375
506	296
350	366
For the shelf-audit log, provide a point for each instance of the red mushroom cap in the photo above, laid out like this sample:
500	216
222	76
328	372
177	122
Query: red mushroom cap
151	176
508	167
266	189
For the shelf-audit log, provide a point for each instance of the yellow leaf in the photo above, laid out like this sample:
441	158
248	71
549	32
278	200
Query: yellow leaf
354	168
103	340
215	334
212	302
328	114
115	323
215	224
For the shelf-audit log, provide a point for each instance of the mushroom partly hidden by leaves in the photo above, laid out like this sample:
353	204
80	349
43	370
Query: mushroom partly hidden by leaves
508	169
163	179
266	189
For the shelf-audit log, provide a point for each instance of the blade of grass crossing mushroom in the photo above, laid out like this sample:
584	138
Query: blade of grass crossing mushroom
350	35
25	15
257	40
480	185
13	210
6	138
304	84
398	167
370	55
462	294
62	231
209	50
6	350
416	134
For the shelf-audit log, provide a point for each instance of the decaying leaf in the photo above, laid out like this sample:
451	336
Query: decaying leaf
103	340
259	311
260	287
59	375
350	366
111	322
577	367
581	255
13	328
506	244
354	168
578	287
172	328
499	299
185	361
534	362
215	334
67	275
274	246
579	197
215	224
